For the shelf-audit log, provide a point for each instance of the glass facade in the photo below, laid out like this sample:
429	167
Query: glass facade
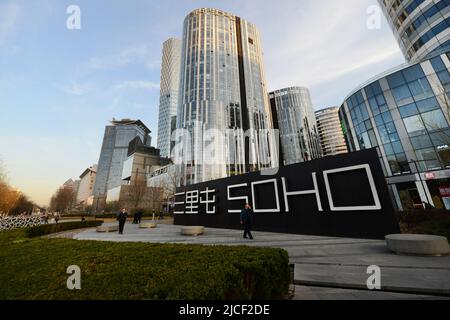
168	104
293	113
113	155
330	132
421	27
406	116
222	88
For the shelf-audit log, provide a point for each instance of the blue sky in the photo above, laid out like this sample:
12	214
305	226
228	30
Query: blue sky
60	87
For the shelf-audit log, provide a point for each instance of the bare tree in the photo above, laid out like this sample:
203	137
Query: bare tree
62	200
8	198
23	204
137	193
156	196
8	195
174	181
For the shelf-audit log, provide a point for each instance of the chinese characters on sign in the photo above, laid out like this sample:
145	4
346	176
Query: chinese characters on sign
194	198
341	196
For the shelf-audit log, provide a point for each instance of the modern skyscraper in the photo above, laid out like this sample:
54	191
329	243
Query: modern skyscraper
293	115
224	108
168	103
113	155
405	113
421	27
330	132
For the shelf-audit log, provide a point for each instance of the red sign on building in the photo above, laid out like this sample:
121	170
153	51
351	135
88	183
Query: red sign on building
445	192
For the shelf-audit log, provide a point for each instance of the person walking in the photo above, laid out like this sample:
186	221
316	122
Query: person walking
246	220
135	216
140	213
122	218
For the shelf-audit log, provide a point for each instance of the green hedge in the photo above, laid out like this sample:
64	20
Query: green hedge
36	269
435	222
45	229
130	215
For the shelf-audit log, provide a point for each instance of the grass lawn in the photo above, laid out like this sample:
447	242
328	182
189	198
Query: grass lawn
35	268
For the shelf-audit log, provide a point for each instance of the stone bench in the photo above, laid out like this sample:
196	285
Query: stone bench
148	225
108	228
417	244
192	231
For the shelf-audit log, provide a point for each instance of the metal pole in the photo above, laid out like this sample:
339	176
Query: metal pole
421	181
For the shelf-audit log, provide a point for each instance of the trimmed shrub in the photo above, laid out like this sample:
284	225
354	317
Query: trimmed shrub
45	229
439	227
435	222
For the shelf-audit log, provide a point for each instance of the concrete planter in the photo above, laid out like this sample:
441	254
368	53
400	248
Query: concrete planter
148	225
110	228
417	244
192	231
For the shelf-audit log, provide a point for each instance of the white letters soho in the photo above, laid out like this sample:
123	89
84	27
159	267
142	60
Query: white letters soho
193	198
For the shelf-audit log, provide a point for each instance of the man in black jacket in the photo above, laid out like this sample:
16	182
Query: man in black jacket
246	220
122	218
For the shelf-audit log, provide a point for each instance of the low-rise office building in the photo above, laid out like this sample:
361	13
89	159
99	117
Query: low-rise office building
405	113
85	196
134	191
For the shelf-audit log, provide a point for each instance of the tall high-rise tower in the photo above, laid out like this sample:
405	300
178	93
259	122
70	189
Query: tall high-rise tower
330	131
168	103
293	115
421	27
223	108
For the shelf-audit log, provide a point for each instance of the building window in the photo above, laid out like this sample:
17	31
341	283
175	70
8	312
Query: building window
428	159
414	125
434	120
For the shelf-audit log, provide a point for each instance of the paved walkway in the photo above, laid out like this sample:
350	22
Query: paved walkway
319	261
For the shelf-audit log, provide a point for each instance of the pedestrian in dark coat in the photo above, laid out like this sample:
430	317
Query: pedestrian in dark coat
246	221
122	218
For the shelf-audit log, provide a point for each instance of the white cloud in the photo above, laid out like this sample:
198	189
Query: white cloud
139	84
75	89
324	43
138	54
9	16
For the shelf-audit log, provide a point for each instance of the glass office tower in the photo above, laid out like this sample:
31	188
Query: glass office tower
421	27
223	108
330	132
113	155
405	114
293	115
168	103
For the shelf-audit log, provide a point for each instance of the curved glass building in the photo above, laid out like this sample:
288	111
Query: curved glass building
405	114
293	115
223	109
421	27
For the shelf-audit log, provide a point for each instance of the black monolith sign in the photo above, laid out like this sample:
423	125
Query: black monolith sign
342	196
